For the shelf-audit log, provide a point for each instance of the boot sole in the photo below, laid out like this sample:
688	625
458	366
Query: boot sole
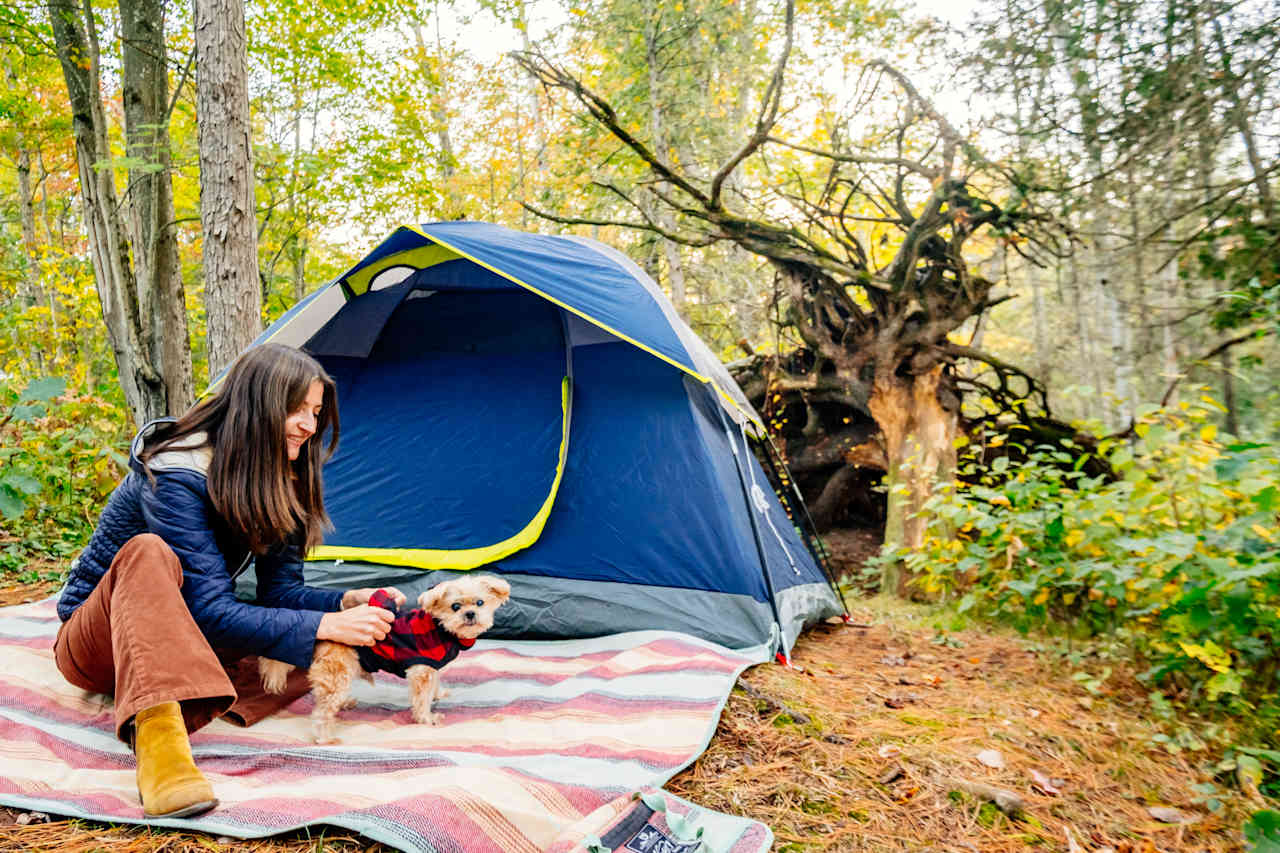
187	811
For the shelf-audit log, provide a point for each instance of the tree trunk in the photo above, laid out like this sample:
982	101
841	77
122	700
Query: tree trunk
919	441
30	293
161	302
232	296
657	132
77	46
1229	393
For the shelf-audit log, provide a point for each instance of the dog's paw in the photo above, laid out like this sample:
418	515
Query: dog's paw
275	674
427	718
443	692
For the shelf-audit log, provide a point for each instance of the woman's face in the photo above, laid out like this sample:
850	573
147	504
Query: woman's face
300	425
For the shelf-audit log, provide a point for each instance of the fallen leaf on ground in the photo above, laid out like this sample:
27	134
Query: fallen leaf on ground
992	758
892	773
1168	814
1045	784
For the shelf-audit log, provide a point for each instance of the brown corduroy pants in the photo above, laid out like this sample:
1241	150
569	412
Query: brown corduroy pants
135	639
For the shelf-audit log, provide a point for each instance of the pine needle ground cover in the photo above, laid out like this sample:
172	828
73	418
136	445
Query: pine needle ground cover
893	736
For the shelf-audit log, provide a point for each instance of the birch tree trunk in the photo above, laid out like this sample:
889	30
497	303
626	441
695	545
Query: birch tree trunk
30	293
232	295
670	251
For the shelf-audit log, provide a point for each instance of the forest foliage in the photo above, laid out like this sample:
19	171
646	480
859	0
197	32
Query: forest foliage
1171	552
1136	141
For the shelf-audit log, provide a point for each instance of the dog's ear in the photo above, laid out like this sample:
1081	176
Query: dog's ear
498	588
432	598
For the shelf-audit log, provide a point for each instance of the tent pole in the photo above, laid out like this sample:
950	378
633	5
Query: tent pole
807	526
783	657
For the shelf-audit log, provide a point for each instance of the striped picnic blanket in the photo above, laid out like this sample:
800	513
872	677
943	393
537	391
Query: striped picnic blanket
545	746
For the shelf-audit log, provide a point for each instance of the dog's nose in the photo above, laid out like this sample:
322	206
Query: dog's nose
471	616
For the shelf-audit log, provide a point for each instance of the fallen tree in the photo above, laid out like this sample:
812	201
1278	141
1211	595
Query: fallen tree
877	339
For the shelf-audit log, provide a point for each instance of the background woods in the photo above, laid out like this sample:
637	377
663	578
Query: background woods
1003	283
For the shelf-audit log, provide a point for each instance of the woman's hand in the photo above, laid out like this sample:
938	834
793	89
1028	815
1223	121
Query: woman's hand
361	625
356	597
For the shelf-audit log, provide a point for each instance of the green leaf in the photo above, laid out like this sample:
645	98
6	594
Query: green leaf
1224	682
22	483
11	503
1269	754
1262	831
25	413
42	389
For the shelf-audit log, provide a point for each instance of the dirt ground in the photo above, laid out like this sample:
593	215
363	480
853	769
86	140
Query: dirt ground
888	735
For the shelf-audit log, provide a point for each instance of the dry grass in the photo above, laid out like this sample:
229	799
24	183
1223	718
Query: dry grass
894	724
811	752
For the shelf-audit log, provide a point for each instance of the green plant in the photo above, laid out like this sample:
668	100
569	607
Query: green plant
16	484
60	456
1262	831
1176	558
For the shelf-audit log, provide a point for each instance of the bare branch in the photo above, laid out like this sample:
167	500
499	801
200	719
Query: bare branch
618	223
602	111
1255	335
768	112
905	163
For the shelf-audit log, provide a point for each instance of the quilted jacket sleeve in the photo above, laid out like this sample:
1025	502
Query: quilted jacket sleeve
280	582
177	510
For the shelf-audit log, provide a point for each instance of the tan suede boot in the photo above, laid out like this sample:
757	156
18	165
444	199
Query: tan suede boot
168	782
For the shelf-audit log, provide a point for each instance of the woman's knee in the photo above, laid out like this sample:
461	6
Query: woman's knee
148	552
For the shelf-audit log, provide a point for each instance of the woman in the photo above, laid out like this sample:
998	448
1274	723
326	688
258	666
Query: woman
149	613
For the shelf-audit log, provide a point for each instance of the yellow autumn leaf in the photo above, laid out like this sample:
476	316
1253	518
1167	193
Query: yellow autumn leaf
1041	597
1209	654
1262	531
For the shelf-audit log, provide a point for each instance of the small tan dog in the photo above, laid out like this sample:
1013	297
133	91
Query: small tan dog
449	617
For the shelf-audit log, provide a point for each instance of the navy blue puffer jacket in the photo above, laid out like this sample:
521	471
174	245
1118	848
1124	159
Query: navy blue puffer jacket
281	624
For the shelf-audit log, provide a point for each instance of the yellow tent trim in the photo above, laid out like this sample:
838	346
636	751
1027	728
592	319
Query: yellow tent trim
419	258
464	558
437	251
592	320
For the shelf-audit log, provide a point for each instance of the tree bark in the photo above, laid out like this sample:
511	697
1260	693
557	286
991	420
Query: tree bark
77	46
161	301
1229	392
232	295
919	441
657	132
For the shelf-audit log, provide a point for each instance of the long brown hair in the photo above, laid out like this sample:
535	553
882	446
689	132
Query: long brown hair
264	498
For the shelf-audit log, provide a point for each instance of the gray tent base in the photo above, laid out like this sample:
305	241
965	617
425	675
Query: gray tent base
567	608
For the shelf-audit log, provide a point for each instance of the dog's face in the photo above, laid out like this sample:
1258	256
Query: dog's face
464	606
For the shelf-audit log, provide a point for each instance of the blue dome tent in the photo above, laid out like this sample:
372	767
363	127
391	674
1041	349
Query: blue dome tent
532	405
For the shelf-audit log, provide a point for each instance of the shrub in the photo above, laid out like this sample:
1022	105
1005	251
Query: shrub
1179	554
60	456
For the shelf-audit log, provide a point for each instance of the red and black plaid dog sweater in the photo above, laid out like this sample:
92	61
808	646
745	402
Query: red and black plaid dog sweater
415	638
